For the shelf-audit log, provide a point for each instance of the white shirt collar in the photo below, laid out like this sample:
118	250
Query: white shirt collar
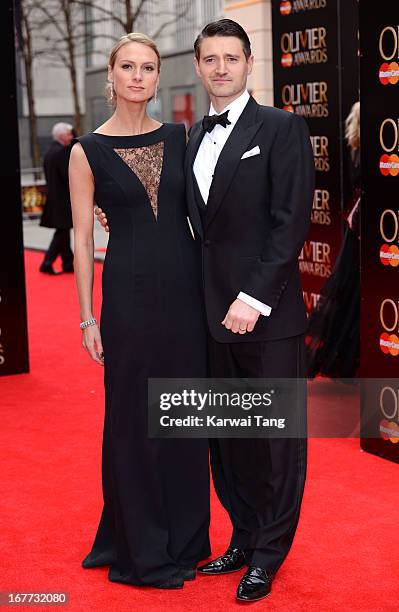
236	107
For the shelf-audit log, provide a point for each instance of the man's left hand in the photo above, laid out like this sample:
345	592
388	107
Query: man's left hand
101	217
240	317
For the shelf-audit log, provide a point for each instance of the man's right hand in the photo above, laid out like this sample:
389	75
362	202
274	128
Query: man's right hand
101	218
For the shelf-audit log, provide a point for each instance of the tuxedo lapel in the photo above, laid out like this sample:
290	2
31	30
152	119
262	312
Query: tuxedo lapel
241	136
193	145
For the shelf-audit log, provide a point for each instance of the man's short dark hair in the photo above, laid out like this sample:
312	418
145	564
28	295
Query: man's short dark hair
223	27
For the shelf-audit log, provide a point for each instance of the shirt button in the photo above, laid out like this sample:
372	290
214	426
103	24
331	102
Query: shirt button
207	242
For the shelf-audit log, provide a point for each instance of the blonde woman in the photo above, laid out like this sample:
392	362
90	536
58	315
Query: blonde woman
154	525
333	336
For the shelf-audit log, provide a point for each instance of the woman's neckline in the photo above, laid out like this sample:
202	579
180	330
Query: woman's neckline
130	135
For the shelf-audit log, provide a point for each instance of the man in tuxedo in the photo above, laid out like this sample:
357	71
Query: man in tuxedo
250	182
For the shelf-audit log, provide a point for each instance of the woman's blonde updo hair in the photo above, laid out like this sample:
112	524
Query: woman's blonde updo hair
352	127
137	37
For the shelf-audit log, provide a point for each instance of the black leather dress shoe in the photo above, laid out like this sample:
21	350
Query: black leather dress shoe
48	269
232	561
255	584
187	573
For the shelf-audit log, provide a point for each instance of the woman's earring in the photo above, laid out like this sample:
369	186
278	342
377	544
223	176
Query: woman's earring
156	94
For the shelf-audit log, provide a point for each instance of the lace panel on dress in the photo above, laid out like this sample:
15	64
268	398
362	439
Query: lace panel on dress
146	163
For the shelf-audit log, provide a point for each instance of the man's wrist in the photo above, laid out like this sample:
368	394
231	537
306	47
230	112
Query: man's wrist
262	308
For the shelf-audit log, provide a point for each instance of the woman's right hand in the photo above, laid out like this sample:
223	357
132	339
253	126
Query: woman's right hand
101	217
91	341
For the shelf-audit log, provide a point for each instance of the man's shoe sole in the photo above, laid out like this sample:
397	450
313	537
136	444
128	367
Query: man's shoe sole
251	600
219	573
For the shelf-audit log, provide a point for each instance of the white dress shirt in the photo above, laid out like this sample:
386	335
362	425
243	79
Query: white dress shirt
205	163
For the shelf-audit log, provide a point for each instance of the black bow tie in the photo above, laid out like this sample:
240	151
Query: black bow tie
209	121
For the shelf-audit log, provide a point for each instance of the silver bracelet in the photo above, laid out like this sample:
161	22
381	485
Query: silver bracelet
85	324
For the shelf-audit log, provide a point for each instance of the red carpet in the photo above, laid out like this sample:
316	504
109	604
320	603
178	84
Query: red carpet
344	555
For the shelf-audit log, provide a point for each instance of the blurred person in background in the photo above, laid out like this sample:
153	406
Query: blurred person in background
333	336
57	212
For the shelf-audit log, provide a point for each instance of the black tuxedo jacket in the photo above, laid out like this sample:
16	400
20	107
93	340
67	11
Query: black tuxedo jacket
57	211
256	220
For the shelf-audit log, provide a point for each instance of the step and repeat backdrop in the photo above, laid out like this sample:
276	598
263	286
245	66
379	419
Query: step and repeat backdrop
379	79
13	325
315	54
315	67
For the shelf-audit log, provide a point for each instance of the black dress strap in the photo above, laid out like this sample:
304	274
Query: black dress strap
90	149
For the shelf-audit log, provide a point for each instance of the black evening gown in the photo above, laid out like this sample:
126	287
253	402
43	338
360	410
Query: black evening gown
155	517
333	334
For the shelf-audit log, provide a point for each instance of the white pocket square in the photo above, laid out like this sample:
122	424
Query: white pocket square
251	152
191	227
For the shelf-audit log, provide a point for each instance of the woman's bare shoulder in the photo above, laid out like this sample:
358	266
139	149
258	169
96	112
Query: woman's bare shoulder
78	162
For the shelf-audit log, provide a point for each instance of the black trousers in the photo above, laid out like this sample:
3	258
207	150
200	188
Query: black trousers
60	245
260	482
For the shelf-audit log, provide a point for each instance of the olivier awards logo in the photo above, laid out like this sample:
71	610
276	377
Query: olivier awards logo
310	100
315	259
320	153
389	51
310	300
389	141
321	207
304	47
389	319
389	230
389	406
298	6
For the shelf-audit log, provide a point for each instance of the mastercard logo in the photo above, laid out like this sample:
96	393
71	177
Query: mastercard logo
389	165
285	8
389	255
389	431
389	344
389	73
286	60
289	108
